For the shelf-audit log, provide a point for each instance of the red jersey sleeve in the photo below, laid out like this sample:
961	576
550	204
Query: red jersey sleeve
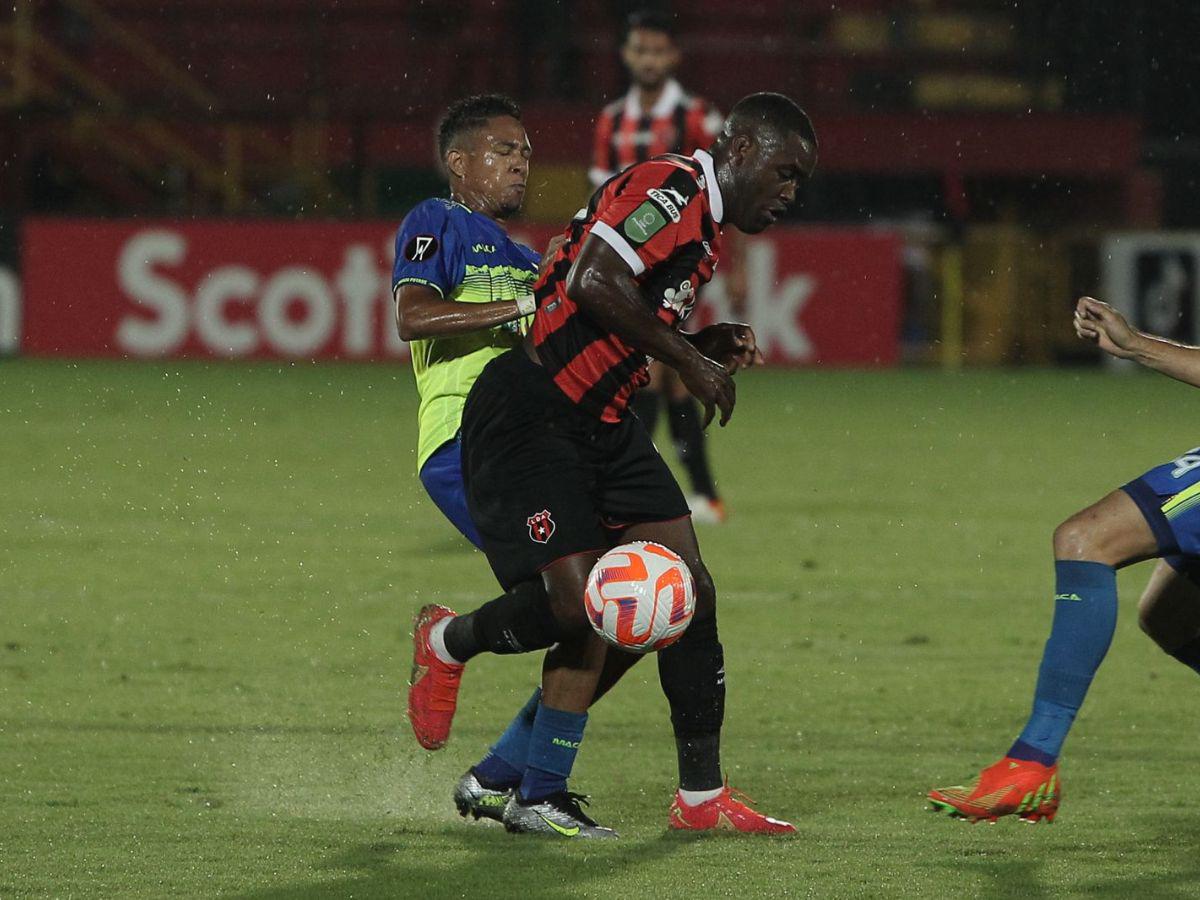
659	206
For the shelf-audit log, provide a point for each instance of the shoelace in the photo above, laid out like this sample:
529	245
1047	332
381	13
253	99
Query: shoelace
571	803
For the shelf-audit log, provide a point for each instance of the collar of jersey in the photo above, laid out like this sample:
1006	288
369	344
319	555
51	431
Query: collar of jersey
672	94
715	202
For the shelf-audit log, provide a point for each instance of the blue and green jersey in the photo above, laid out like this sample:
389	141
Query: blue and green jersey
467	257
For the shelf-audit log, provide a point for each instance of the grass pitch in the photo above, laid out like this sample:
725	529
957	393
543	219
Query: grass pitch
207	574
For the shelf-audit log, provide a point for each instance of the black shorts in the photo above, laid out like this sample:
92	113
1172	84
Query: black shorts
544	480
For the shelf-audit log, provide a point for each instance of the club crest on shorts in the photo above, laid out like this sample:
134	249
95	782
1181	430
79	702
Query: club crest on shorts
541	526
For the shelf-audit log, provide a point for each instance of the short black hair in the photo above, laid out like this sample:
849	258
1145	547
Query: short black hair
776	112
651	20
470	113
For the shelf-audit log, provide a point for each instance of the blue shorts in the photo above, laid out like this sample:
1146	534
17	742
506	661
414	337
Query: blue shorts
1169	498
443	480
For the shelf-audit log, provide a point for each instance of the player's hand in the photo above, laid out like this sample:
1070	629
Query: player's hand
712	385
732	344
1099	323
552	249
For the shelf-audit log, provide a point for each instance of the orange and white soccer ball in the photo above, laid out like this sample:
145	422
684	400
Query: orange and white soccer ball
640	596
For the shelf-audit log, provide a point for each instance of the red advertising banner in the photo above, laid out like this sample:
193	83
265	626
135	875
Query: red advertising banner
321	290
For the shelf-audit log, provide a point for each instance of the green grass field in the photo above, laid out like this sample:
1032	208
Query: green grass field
207	575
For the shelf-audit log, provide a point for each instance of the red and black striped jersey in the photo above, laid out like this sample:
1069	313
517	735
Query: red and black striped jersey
626	134
663	217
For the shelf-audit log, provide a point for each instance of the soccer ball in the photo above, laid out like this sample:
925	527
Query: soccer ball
640	596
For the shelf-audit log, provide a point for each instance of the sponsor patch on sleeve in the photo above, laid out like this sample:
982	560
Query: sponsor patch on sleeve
669	201
644	222
421	248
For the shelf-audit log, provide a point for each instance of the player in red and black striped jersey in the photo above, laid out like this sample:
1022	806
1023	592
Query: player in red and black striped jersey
663	220
657	117
558	471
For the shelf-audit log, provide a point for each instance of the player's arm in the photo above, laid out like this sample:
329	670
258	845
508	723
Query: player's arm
1099	323
422	312
601	283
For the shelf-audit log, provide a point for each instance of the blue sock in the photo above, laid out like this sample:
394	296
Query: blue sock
1189	654
552	748
504	763
1085	617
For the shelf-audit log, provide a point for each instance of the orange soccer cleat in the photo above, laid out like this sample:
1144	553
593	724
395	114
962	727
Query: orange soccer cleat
729	811
1029	790
433	686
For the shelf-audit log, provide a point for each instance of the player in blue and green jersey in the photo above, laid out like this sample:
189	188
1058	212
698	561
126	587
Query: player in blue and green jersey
462	285
1155	516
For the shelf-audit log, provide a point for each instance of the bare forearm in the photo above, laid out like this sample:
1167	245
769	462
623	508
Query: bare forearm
615	303
449	317
1176	360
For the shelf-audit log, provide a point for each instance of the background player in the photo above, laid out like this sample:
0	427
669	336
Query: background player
462	286
557	472
657	116
1156	515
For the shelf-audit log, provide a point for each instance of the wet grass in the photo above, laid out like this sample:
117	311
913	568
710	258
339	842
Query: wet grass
206	574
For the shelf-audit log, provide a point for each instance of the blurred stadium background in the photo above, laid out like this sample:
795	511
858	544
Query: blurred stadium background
998	144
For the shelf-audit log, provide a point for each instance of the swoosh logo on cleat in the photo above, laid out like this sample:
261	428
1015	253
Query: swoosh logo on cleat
564	831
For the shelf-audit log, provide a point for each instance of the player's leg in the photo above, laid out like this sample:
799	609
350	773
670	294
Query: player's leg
442	478
1169	610
639	491
569	677
527	493
648	401
687	434
1088	549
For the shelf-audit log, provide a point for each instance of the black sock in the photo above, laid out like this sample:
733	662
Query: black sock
515	622
688	434
646	404
692	674
1189	654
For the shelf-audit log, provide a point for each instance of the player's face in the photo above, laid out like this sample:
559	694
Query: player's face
496	166
650	56
770	176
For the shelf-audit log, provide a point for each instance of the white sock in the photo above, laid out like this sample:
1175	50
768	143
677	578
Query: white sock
695	798
437	640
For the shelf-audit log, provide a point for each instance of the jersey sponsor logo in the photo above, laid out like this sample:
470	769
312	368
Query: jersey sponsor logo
483	248
670	204
681	299
421	248
644	222
541	527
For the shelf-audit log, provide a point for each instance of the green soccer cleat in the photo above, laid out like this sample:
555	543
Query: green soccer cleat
557	815
472	798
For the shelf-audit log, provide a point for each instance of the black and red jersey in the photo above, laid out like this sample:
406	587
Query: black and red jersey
626	134
663	217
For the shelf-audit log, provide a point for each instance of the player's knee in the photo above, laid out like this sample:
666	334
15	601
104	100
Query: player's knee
1147	620
1075	539
567	606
